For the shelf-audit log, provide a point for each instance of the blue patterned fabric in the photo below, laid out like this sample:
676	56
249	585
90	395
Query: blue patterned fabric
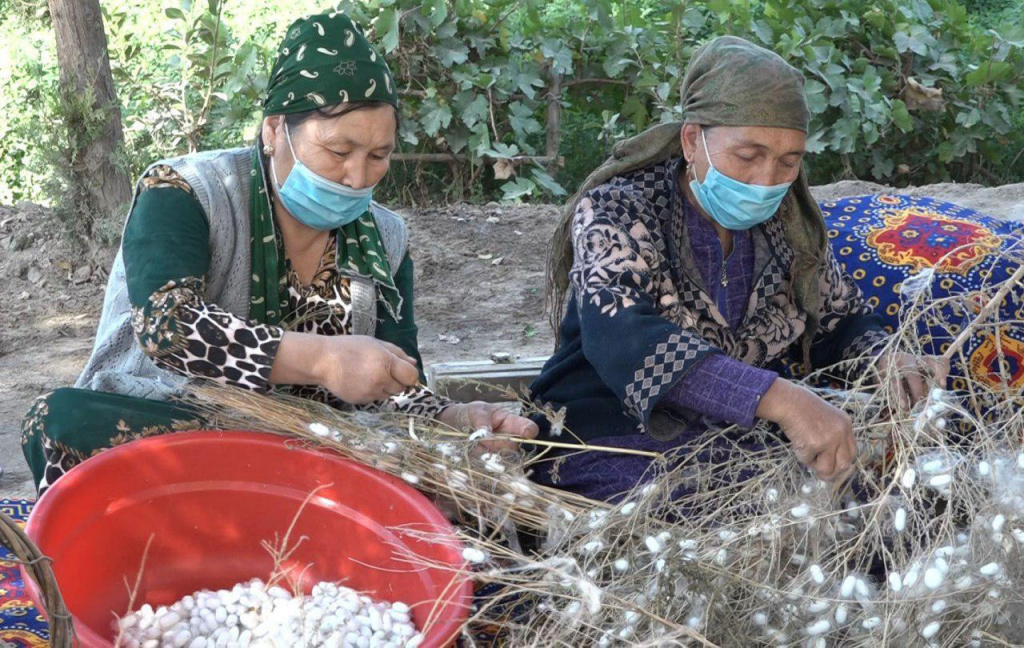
21	624
884	240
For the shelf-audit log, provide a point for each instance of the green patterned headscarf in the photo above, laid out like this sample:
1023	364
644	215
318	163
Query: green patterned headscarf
325	60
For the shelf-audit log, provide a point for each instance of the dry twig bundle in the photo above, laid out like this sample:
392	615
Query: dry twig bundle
923	546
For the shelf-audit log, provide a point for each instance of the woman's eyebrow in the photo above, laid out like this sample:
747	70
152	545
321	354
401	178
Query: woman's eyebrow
763	148
342	141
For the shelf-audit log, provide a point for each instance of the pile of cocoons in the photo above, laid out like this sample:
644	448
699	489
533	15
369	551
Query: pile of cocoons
254	614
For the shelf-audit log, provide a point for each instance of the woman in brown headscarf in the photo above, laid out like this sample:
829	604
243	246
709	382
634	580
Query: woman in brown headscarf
686	265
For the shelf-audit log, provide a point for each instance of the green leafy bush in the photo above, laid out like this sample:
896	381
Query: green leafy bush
902	91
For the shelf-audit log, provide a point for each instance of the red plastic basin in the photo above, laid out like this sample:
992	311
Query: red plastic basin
209	498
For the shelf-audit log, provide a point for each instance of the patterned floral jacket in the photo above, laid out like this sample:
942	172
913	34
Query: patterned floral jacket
639	317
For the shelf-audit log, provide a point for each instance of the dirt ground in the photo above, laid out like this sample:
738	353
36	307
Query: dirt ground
479	290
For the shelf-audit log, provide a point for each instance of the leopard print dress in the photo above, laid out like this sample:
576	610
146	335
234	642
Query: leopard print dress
184	333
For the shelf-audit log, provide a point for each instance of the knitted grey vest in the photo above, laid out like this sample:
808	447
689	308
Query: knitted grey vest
220	180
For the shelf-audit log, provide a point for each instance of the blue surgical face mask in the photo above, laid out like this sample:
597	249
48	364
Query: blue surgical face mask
733	204
316	201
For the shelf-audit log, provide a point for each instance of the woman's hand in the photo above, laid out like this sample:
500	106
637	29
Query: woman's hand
498	420
820	434
909	375
356	368
360	369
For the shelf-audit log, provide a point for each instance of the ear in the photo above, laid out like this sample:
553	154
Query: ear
688	137
272	128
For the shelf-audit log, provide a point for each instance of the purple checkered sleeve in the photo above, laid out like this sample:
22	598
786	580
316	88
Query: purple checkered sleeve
721	389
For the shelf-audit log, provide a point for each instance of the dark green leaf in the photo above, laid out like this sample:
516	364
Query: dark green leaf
901	116
386	28
543	179
518	188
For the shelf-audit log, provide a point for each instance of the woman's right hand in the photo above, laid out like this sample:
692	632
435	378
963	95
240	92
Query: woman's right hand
360	369
821	435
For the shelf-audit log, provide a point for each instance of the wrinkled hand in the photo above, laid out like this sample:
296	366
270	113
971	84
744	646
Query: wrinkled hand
820	434
909	375
360	369
498	420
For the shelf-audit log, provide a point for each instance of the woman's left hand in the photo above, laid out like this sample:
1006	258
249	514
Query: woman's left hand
910	375
498	420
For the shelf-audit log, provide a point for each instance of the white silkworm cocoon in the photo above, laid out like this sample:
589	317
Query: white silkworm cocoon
931	629
817	574
771	495
817	607
871	623
841	613
492	462
760	619
984	468
939	606
861	587
846	589
909	477
726	535
938	394
938	481
800	511
991	569
940	423
621	565
481	433
474	555
653	545
895	582
819	627
933	578
899	521
933	465
319	429
628	508
1018	535
998	521
1020	461
911	578
521	487
593	546
411	478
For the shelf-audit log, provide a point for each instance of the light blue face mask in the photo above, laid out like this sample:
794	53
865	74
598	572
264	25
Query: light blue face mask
733	204
316	201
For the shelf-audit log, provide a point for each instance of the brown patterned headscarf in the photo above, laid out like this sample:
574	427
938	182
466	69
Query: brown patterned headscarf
732	82
729	82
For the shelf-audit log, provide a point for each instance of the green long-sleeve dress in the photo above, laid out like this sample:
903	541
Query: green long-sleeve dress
167	257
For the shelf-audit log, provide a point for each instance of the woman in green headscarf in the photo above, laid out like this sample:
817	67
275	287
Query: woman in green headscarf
266	267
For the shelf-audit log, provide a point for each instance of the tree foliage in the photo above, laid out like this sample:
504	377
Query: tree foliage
901	91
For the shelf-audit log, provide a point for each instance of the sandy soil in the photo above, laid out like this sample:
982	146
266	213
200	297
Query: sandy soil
479	273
